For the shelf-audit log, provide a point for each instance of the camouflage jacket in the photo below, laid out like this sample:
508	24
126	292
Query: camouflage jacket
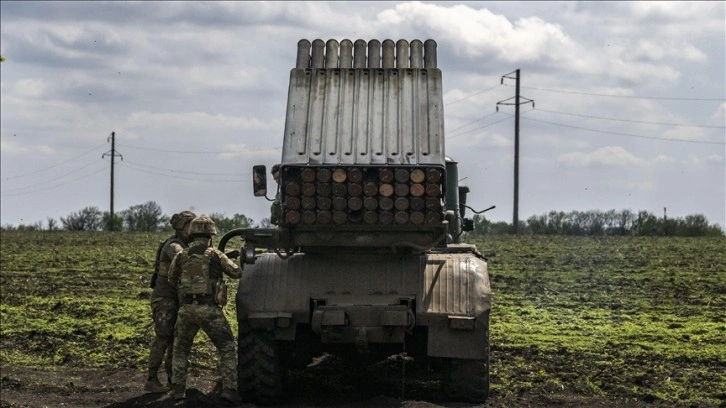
219	263
172	246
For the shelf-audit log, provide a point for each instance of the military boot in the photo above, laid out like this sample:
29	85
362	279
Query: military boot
154	386
230	396
179	392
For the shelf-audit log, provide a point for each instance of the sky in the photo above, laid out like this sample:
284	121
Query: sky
628	99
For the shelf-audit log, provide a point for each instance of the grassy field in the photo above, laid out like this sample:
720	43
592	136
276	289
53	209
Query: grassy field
640	319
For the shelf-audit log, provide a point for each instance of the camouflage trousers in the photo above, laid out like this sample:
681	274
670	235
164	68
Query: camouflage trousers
212	321
164	314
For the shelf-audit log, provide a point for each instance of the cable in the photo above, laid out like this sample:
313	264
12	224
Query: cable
54	186
624	96
185	172
53	166
55	178
633	121
480	127
472	122
196	151
179	177
472	95
624	134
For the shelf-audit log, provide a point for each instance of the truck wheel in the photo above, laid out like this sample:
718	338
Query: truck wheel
467	380
260	374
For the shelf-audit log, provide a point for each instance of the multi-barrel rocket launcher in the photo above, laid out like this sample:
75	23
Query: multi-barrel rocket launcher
367	254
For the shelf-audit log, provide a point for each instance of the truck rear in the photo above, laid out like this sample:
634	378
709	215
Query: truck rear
367	256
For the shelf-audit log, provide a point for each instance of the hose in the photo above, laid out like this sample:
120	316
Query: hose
229	235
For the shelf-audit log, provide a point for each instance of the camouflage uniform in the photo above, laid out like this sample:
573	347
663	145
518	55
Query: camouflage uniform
203	311
164	305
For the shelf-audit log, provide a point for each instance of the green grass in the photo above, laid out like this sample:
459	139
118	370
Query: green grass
619	318
639	318
82	299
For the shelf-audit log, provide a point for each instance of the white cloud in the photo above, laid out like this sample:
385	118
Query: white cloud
653	50
663	160
685	133
13	148
559	142
479	32
28	88
195	122
720	113
477	139
629	184
610	156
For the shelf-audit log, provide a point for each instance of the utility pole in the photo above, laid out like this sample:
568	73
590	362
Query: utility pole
517	101
113	155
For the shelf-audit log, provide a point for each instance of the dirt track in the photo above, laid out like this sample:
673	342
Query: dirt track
116	388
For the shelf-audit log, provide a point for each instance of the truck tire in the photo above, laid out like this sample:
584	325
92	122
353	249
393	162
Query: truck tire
467	380
260	374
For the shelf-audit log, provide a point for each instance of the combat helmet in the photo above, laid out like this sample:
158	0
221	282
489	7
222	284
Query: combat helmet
179	220
202	225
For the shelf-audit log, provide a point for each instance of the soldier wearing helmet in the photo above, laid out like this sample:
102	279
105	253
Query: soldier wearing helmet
197	273
165	302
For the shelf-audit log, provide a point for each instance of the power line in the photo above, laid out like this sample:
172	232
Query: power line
53	166
197	151
470	96
480	127
472	122
124	164
625	134
53	179
183	171
626	96
632	121
55	185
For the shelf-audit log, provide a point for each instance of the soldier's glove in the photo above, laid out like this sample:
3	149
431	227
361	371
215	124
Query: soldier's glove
232	254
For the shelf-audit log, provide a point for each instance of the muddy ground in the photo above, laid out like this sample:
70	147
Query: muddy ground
315	387
577	322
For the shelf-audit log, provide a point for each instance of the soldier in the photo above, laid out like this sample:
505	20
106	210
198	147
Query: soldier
197	273
275	209
165	302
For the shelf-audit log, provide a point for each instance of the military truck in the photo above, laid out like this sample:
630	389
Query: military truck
367	257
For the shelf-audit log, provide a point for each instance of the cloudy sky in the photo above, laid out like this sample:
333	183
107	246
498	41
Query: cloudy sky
628	98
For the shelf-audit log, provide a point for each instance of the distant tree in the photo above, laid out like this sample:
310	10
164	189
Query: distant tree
692	226
646	223
52	224
146	217
622	222
115	224
481	224
537	224
87	219
225	224
500	228
36	226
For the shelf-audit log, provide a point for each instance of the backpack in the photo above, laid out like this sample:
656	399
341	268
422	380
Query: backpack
195	279
157	260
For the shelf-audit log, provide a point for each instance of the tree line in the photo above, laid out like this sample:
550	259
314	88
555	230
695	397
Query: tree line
599	223
149	217
146	217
